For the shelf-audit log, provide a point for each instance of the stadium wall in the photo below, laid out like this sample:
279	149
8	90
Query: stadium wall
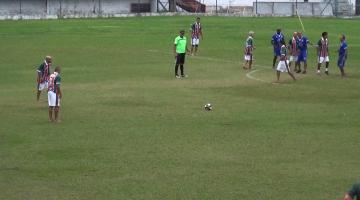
289	9
33	9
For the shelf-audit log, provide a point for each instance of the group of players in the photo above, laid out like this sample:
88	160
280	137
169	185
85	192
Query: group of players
296	51
50	82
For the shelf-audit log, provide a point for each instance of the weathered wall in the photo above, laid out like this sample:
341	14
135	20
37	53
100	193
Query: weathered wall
288	9
68	7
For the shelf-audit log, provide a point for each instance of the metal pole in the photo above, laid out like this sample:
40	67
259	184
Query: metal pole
256	8
20	7
216	7
60	12
138	7
99	7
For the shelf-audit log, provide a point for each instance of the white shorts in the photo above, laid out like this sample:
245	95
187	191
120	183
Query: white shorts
52	99
248	57
293	58
323	59
282	66
195	41
43	86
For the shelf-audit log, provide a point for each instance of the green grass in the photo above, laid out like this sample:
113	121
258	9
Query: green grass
131	131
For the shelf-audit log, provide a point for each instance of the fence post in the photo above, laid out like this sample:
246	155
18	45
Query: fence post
256	7
99	7
20	9
47	7
60	9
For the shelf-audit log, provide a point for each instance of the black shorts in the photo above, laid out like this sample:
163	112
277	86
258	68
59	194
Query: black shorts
180	58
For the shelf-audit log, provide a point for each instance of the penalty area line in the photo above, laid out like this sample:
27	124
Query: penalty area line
250	76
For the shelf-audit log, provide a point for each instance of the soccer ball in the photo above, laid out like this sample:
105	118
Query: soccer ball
208	107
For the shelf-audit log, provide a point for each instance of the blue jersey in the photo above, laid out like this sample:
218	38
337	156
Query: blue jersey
342	49
302	42
277	39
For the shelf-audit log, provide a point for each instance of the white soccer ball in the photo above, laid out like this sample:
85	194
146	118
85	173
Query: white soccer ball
208	107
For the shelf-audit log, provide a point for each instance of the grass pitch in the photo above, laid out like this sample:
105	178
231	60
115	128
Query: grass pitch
130	130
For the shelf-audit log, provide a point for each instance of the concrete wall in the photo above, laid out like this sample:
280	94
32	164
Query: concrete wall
9	7
289	9
68	7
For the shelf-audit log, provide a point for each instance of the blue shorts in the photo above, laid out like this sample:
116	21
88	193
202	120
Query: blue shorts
277	52
341	62
302	56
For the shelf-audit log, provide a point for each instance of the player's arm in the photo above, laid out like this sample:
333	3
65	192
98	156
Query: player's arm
283	39
39	73
309	42
346	53
327	49
59	93
58	88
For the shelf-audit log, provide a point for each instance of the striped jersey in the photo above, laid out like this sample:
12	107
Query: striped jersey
44	70
249	45
196	30
284	52
293	46
54	82
323	45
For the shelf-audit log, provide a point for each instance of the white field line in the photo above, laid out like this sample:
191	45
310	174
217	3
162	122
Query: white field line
103	26
248	75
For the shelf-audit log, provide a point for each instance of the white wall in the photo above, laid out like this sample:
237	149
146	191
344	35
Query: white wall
68	7
9	7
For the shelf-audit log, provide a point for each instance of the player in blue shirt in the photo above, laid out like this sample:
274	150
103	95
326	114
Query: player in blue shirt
342	55
302	57
277	39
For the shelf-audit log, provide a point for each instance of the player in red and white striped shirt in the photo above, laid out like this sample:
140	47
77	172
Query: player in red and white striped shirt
293	50
323	52
196	33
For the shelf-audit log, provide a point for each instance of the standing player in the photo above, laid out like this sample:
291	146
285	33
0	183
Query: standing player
342	55
180	49
196	33
323	53
43	73
248	51
302	56
354	192
276	41
293	50
283	63
54	95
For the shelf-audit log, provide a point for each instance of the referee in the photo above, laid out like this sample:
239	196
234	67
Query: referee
180	49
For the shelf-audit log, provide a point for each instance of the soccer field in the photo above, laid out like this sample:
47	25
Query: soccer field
130	130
